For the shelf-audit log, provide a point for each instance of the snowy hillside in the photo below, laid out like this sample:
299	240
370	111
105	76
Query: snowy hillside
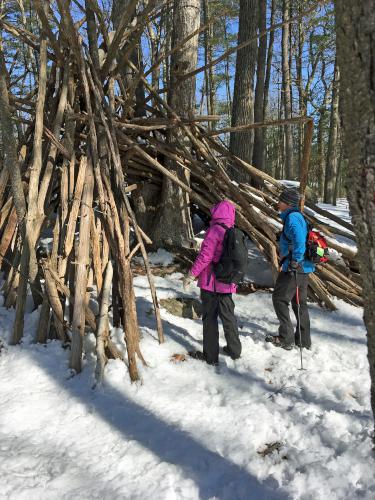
258	428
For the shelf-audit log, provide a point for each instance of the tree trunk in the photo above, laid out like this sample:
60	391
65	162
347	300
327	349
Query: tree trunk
332	153
287	93
209	76
321	135
227	70
258	154
136	58
174	228
299	82
269	60
241	143
355	30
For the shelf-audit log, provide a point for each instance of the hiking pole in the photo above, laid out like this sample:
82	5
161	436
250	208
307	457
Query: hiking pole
298	320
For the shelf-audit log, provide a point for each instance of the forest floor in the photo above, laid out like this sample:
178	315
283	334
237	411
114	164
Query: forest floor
255	428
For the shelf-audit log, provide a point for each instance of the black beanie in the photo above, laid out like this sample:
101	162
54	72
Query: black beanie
290	196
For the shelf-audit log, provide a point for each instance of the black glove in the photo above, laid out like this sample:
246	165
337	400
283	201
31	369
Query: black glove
294	266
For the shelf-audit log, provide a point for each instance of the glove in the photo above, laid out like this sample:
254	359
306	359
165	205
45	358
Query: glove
187	281
294	266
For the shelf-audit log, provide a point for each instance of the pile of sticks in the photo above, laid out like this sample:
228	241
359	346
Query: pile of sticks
71	177
256	207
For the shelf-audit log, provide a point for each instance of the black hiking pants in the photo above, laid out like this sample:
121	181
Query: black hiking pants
222	305
284	293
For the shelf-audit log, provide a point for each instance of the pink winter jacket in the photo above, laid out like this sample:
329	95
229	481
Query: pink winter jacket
211	249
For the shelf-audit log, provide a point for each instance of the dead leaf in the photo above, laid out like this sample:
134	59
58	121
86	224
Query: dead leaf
178	358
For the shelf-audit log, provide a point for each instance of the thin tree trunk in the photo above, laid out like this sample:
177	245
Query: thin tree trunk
258	154
135	57
321	136
287	93
332	153
209	76
301	100
269	60
336	192
355	30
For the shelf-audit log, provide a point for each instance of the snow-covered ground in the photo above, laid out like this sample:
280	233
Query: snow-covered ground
189	431
256	428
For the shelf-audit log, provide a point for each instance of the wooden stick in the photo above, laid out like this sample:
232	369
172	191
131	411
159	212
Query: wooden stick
70	232
81	272
54	300
8	234
95	250
304	171
250	126
103	324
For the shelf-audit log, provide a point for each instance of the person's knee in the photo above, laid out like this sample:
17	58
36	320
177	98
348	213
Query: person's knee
275	298
279	301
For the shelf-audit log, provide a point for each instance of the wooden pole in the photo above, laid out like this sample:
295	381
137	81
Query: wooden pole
103	324
304	171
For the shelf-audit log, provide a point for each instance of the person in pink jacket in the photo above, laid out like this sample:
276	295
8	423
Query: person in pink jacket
216	296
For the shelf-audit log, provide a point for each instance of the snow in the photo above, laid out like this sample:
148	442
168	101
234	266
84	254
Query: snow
160	258
255	428
189	431
341	209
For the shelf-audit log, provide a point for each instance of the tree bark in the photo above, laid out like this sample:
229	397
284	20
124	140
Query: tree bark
174	228
333	153
301	97
355	30
287	93
269	60
258	154
209	72
241	143
135	57
321	135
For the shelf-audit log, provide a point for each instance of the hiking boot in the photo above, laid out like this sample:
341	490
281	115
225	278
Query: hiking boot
197	355
200	356
229	353
308	347
278	341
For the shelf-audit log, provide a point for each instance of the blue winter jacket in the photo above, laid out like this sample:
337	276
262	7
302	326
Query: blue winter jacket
292	242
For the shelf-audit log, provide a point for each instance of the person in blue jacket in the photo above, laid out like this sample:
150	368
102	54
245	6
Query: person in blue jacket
295	270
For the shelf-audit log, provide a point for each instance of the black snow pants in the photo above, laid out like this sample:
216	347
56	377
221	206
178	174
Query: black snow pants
222	305
284	293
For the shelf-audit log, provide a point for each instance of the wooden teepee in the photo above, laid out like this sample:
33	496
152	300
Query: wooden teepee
83	154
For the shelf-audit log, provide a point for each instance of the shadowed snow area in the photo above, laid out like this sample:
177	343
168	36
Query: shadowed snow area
189	431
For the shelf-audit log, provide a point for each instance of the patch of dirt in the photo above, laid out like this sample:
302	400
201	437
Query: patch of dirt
269	448
183	307
139	270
